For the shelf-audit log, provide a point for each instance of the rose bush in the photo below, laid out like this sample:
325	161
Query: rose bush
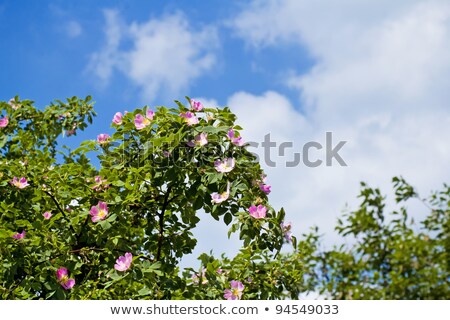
70	229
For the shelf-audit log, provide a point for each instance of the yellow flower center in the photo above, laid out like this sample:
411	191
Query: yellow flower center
102	214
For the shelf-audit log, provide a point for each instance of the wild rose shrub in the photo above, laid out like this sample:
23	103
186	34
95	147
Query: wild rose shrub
72	230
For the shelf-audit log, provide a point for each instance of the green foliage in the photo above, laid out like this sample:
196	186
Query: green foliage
392	257
156	189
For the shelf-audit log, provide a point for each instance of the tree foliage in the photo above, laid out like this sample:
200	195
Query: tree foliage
392	256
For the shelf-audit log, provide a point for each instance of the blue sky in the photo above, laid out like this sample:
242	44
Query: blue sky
47	47
375	73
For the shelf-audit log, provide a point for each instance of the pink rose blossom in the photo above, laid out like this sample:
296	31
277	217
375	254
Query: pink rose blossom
190	118
100	183
63	278
286	228
99	212
19	236
237	140
98	179
220	197
196	277
117	119
150	114
141	122
70	132
257	211
265	188
3	122
47	215
199	140
103	138
235	293
196	105
224	166
22	183
15	105
123	263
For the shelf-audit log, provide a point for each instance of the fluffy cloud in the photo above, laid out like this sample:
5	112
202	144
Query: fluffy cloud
162	55
379	81
73	29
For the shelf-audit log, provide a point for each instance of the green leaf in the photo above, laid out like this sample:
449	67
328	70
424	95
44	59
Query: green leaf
118	183
227	218
144	292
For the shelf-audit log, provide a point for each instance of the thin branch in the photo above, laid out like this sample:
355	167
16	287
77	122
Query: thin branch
82	229
87	249
60	210
161	222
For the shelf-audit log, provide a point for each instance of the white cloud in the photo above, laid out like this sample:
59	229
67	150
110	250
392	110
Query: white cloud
163	56
380	80
74	29
109	57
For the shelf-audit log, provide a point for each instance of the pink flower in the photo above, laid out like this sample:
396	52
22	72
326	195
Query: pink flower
103	138
19	236
22	183
123	262
141	122
265	188
235	293
199	140
99	212
166	153
257	211
196	105
15	105
224	166
196	277
190	118
63	278
117	119
230	134
47	215
98	179
100	183
286	228
150	114
3	122
237	140
220	197
70	132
